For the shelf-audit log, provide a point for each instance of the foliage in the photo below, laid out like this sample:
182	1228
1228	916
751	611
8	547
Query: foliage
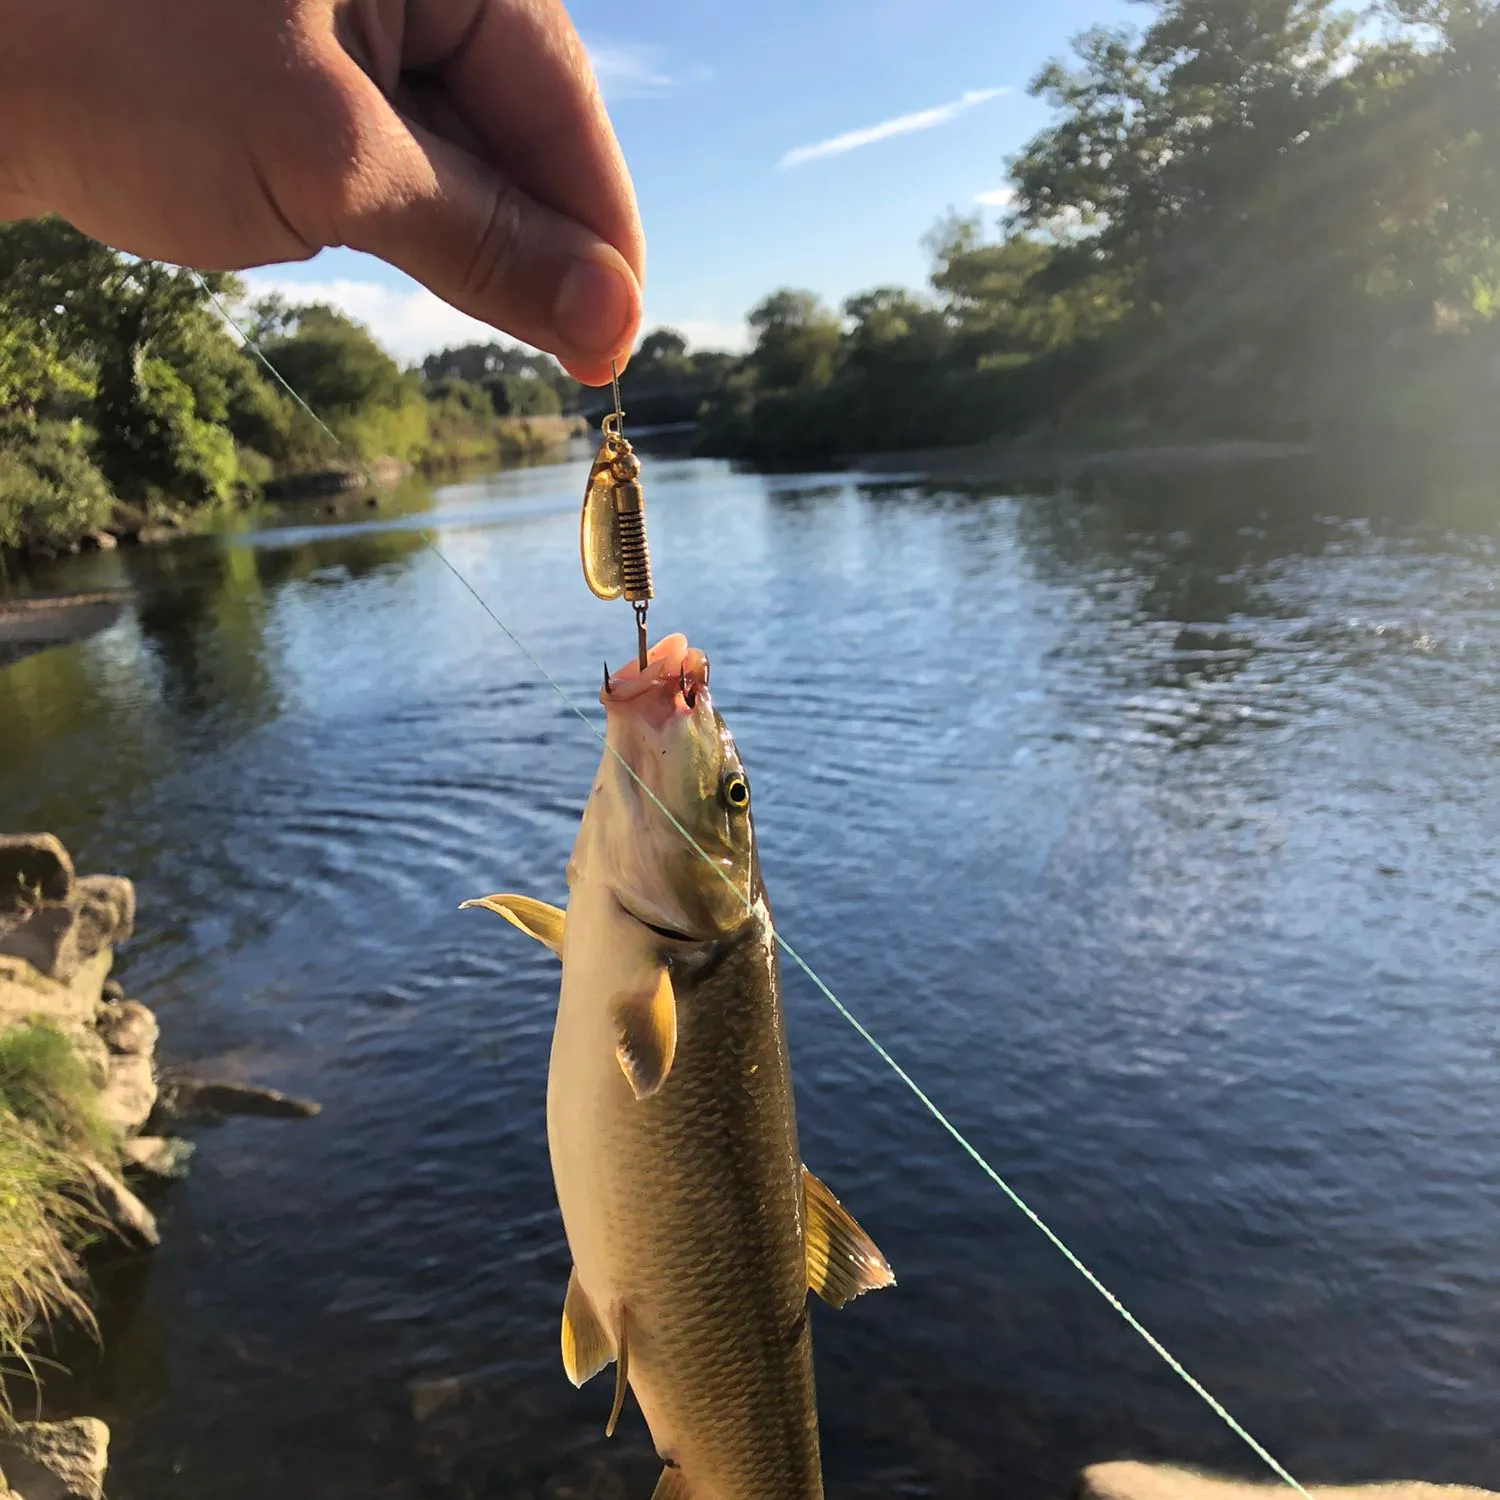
50	489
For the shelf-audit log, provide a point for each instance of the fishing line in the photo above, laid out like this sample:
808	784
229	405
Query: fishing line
972	1151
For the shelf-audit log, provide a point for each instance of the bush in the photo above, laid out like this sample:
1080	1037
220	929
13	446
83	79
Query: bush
51	493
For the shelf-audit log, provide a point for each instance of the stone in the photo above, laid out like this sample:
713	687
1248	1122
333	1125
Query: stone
128	1028
131	1220
26	992
186	1097
112	990
129	1093
33	866
158	1155
57	1460
1127	1480
47	938
106	910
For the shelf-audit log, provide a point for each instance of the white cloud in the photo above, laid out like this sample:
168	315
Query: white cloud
1001	197
411	322
627	71
407	321
922	119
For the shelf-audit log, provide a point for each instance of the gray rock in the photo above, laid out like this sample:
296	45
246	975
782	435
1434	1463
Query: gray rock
130	1093
106	910
112	990
158	1155
33	866
184	1098
46	937
128	1028
1138	1481
57	1460
26	992
131	1220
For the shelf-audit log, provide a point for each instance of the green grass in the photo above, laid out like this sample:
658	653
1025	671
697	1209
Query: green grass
49	1119
45	1219
45	1083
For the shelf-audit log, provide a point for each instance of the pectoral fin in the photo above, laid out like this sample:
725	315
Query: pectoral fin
535	918
842	1260
586	1346
646	1035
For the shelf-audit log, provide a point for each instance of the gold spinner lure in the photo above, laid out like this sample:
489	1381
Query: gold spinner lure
616	560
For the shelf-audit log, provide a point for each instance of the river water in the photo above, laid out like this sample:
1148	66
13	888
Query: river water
1153	826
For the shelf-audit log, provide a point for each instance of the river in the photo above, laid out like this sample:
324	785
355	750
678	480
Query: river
1154	826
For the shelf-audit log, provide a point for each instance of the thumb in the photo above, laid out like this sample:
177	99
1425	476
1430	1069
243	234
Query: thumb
479	242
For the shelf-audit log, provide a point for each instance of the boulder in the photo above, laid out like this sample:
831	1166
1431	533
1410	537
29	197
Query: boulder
33	866
1126	1480
158	1155
57	1460
131	1220
184	1098
26	992
128	1028
129	1093
106	910
112	989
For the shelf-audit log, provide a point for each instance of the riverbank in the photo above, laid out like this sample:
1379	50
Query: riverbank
82	1142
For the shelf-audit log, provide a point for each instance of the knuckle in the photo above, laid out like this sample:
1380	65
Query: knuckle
497	251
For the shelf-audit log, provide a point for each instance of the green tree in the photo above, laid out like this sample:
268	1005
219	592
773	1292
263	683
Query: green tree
796	342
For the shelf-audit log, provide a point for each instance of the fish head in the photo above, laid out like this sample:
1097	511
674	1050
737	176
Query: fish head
670	768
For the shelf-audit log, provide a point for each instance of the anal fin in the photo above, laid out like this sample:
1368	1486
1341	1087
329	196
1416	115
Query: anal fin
671	1485
622	1375
842	1260
586	1346
535	918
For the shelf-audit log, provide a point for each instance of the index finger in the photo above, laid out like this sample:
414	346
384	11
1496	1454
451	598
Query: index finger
519	74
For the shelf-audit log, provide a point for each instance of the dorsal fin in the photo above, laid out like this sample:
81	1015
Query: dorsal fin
842	1260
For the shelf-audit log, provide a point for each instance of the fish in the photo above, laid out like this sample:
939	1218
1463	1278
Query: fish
695	1229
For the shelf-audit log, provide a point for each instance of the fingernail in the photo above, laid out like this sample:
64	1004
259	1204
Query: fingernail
592	307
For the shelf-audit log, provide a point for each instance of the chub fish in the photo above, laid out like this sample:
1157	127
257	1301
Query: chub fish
695	1230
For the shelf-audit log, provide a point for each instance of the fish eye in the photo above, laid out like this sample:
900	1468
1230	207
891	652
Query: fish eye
737	791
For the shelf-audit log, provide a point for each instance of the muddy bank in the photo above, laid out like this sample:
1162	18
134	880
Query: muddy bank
28	625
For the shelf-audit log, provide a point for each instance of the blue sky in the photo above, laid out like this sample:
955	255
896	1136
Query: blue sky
771	145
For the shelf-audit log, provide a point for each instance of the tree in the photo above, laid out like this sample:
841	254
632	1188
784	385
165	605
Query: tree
796	341
661	344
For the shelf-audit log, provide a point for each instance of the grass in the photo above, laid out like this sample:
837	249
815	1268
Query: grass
44	1082
45	1219
49	1120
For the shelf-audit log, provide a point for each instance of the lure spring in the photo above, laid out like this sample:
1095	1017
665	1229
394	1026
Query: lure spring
635	555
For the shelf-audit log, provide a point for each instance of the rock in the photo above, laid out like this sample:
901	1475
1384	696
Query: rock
33	865
73	938
26	992
112	990
129	1093
158	1155
106	910
127	1215
185	1097
128	1028
57	1460
1137	1481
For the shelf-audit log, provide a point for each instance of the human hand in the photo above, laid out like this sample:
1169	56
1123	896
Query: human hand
463	141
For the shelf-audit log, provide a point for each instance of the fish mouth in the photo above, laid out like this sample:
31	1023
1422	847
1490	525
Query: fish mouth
675	677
